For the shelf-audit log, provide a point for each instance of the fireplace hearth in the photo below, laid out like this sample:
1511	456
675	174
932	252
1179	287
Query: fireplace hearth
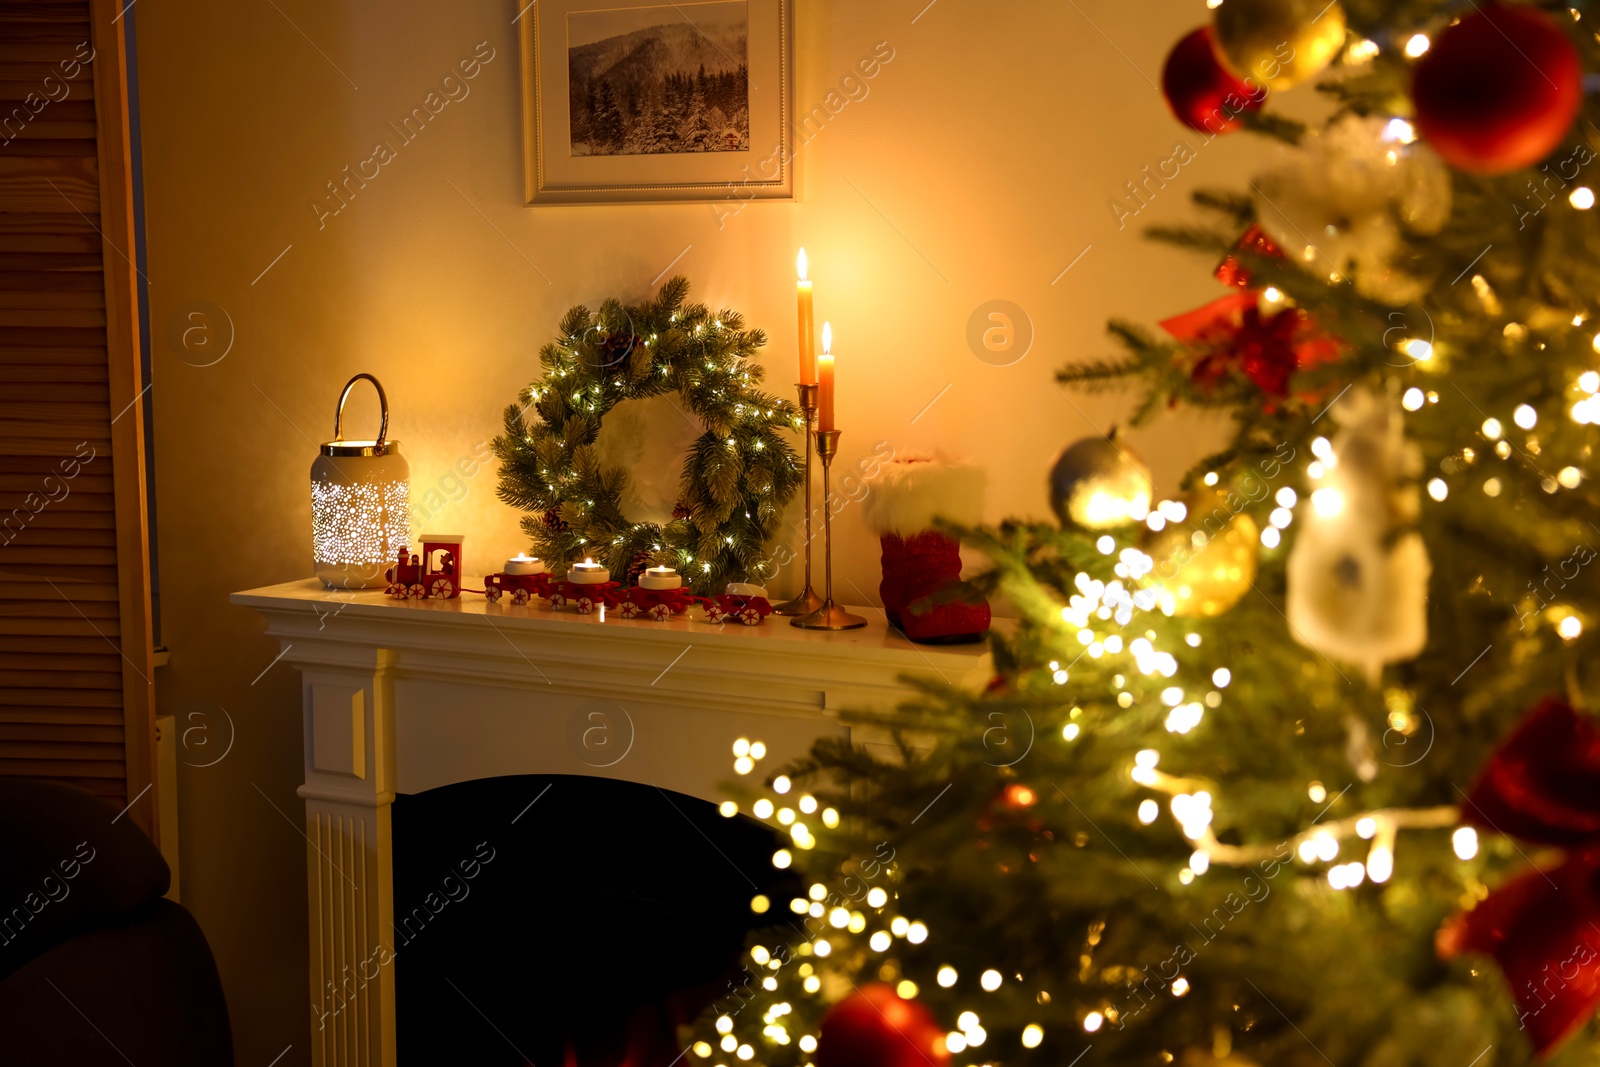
565	920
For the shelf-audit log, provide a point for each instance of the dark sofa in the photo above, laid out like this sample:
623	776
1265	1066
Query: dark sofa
95	966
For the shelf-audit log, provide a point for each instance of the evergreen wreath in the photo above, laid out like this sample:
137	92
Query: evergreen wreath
737	476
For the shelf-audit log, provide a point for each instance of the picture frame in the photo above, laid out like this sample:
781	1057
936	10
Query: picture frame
657	101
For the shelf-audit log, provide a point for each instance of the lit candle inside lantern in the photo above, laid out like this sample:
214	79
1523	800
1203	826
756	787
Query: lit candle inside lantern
825	380
746	589
588	573
808	328
524	564
660	578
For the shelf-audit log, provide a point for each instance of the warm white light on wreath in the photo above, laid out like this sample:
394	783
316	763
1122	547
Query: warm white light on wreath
737	475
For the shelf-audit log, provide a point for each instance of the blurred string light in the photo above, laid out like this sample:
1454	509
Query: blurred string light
1105	617
1192	802
1360	51
1587	409
1397	129
1418	349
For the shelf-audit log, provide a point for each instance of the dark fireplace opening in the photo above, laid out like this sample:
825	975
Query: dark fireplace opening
568	921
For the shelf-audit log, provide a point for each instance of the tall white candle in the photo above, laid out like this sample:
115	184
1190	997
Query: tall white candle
808	350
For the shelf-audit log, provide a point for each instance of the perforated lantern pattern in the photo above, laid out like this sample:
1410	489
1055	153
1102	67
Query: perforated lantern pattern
358	524
360	503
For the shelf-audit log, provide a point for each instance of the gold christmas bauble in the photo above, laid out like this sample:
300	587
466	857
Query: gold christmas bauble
1278	43
1207	563
1098	483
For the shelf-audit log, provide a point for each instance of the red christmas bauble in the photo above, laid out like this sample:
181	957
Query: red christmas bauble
1498	90
1204	94
874	1027
1543	929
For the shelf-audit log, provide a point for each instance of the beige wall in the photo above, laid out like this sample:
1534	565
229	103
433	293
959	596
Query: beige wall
978	167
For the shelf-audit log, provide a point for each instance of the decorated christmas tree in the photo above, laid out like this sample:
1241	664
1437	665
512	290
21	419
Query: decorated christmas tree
1293	770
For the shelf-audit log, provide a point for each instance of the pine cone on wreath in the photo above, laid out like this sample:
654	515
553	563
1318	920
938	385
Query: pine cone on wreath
639	564
554	521
614	351
680	510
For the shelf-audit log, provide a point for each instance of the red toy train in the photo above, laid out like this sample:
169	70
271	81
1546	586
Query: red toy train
436	572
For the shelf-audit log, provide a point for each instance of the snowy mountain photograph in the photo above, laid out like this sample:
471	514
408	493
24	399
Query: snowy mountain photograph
672	79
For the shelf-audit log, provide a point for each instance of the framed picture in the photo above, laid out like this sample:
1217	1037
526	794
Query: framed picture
657	100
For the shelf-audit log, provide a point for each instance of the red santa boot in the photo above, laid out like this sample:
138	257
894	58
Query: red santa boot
922	590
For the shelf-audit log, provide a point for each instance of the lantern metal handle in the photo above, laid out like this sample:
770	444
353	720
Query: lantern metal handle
383	406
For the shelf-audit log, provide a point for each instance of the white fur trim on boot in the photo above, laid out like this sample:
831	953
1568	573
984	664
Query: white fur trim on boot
907	494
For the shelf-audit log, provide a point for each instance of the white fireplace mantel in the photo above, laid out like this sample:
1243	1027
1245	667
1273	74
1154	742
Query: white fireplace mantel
405	696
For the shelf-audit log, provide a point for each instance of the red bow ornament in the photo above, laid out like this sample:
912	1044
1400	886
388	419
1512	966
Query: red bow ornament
1243	333
1254	240
1542	785
1234	334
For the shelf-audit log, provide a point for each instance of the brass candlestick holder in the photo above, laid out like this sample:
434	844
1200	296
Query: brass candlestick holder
808	601
829	616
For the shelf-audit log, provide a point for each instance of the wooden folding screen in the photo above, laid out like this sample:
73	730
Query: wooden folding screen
76	700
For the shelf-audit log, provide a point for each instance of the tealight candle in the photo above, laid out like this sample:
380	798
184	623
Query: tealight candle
660	578
588	573
525	564
746	589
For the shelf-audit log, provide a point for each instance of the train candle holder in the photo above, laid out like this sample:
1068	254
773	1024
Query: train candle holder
433	574
657	604
583	596
522	589
737	607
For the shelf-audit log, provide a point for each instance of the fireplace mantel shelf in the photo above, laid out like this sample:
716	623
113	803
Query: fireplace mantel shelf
406	696
788	669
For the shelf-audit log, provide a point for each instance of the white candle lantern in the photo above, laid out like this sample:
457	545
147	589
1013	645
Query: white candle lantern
360	502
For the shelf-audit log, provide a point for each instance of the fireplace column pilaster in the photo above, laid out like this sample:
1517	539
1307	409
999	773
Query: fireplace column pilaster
349	786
